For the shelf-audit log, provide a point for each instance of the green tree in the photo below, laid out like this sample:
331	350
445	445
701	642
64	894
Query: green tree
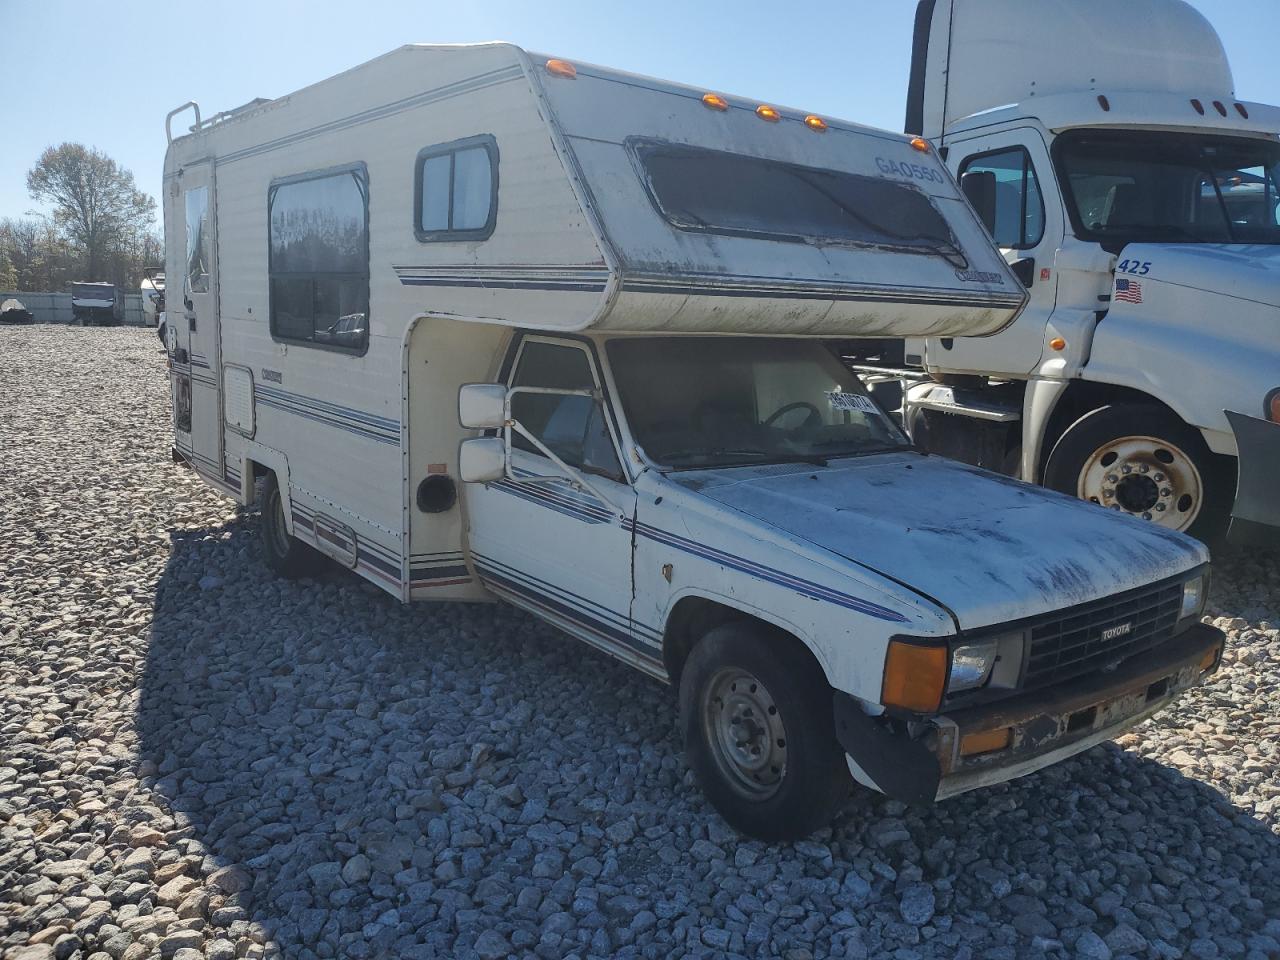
96	203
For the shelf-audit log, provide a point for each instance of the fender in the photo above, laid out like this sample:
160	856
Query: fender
1038	403
273	460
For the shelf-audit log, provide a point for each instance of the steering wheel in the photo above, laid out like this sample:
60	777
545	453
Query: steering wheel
814	416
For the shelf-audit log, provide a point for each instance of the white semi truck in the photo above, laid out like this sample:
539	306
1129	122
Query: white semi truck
477	324
1136	198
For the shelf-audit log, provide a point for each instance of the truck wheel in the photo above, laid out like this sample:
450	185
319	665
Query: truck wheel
284	553
756	718
1143	461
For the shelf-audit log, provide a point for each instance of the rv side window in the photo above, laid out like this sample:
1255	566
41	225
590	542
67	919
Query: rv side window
711	191
573	427
198	240
319	260
1019	206
456	190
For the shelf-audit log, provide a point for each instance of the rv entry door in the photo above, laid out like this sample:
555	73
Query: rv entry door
196	316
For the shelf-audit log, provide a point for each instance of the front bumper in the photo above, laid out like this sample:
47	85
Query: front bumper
1045	725
1255	518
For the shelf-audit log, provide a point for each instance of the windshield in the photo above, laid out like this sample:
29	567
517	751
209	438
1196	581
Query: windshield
1127	187
696	402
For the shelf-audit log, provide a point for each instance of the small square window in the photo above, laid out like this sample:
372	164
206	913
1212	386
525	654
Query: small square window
457	190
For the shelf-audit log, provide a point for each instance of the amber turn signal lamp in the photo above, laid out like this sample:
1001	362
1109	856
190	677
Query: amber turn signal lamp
985	741
915	675
921	144
1209	660
815	123
1057	343
562	68
766	112
714	101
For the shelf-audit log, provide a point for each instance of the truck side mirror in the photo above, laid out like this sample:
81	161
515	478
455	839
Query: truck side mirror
482	460
482	406
979	188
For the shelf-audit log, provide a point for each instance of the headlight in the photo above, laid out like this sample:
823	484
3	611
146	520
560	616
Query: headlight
971	664
1193	597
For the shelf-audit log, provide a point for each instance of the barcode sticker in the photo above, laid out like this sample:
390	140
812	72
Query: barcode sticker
851	401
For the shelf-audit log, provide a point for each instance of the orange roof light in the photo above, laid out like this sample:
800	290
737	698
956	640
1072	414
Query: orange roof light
714	101
815	123
921	144
562	68
765	112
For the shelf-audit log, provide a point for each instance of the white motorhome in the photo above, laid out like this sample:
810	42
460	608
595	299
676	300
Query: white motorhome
1137	198
481	324
152	291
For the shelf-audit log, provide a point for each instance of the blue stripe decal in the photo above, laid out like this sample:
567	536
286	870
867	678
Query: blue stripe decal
804	587
568	506
571	613
359	431
326	406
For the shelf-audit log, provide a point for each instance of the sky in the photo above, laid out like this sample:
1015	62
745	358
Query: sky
105	72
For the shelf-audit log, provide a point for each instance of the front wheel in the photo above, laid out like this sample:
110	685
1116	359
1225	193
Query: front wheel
1143	461
756	718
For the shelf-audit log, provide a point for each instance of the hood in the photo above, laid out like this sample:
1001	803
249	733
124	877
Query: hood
989	548
1245	271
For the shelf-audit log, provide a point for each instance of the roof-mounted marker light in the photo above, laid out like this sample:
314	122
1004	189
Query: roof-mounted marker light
814	122
562	68
713	101
1199	106
1217	105
766	112
1104	103
1242	110
921	144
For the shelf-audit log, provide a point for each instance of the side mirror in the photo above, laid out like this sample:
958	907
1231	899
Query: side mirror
482	406
482	460
979	188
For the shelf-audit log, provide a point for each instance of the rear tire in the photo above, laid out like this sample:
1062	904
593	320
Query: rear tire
1142	460
756	719
285	554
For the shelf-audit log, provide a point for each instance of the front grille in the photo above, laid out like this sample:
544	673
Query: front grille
1071	642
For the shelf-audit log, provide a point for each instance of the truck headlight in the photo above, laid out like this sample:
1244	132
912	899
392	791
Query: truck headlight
1193	597
971	664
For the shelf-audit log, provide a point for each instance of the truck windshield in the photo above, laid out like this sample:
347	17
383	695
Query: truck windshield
1129	187
698	402
712	191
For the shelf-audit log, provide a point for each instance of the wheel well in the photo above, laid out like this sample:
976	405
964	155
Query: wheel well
690	620
1082	397
256	472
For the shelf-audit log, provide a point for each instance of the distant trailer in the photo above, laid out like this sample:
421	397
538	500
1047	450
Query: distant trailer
96	305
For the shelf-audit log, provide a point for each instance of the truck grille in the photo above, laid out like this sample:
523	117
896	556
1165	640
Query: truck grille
1093	635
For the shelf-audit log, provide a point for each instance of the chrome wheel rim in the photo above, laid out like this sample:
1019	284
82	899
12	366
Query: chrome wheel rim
1145	477
744	729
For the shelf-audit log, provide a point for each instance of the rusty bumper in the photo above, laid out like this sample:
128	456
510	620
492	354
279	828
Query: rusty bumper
964	749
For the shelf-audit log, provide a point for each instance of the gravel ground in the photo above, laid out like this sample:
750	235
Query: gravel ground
200	760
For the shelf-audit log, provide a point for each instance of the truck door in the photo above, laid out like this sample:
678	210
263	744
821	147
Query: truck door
537	539
1028	229
194	316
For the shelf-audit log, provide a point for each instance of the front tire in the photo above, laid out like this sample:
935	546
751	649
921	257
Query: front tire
756	718
285	554
1142	460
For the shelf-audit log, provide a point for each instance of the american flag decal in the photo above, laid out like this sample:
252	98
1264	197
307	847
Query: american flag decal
1128	291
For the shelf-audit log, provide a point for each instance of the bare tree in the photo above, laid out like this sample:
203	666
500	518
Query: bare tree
96	203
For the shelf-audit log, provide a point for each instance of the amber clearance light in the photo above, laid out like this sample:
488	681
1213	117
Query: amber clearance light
766	112
915	676
814	122
562	68
714	101
921	144
1273	406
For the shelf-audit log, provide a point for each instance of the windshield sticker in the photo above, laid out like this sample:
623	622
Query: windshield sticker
851	401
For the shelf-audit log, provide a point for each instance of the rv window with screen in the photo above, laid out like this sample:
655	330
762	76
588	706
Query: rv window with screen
198	240
712	191
572	427
319	260
457	190
1019	205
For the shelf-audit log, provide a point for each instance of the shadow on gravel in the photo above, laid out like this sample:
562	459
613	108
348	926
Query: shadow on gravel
456	780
